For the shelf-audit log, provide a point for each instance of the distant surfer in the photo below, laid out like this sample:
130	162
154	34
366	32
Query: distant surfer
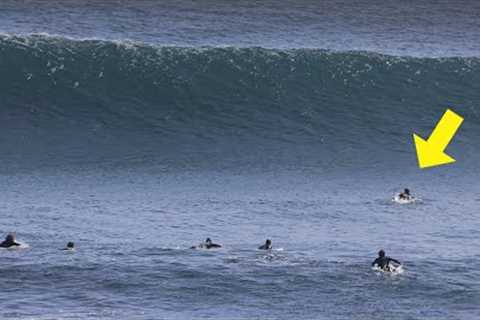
70	247
405	195
266	246
208	244
383	262
9	242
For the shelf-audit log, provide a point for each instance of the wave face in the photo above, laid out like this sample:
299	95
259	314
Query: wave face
92	102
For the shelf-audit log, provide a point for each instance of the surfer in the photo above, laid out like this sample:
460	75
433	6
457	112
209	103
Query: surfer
9	242
70	246
208	244
266	246
405	195
383	262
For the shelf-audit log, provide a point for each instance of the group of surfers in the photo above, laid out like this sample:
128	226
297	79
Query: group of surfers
382	261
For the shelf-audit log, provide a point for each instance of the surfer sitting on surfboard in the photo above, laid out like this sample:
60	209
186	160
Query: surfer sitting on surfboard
383	262
405	195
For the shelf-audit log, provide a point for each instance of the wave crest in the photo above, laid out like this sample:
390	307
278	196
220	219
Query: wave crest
99	93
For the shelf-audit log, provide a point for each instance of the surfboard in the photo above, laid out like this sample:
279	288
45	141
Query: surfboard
392	268
399	200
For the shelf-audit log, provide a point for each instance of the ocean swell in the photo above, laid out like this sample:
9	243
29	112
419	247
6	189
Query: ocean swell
67	101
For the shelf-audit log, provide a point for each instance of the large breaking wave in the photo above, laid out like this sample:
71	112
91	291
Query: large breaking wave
94	102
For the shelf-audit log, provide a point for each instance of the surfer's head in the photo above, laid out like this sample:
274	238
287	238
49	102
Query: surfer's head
70	245
381	253
208	241
268	242
10	237
406	191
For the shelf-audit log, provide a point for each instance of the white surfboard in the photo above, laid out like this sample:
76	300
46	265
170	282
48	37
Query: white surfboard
399	200
392	268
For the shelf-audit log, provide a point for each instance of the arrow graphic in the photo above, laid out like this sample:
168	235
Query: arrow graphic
430	152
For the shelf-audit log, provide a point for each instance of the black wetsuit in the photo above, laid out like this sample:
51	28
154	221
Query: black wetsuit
207	246
404	196
212	245
8	244
383	262
265	247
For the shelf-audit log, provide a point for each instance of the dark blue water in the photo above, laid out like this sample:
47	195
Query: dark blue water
138	129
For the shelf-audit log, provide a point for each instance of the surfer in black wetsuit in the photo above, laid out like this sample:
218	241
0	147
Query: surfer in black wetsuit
9	242
383	262
208	244
405	195
266	246
70	246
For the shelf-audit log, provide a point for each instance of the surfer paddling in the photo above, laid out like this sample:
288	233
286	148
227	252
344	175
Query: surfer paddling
383	262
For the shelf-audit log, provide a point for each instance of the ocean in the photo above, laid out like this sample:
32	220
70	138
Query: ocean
137	129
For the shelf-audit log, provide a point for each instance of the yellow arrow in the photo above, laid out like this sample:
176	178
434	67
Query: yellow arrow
431	152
